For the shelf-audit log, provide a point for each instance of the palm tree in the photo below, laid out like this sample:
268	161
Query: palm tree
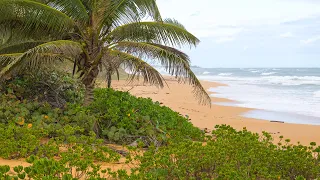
96	35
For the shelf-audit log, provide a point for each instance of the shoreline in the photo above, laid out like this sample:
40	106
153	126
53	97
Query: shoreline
179	97
262	114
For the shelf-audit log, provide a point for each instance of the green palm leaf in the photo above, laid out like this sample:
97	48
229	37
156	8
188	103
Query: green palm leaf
19	47
32	17
170	58
155	32
72	8
138	67
173	60
43	54
174	22
126	11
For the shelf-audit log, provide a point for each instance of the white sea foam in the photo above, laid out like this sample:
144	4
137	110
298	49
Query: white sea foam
267	80
316	94
225	74
291	91
268	73
292	80
206	72
280	100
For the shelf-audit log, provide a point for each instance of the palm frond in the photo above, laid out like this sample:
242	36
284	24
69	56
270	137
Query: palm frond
121	12
198	90
72	8
155	32
43	54
174	22
19	47
6	59
13	34
137	67
31	16
174	61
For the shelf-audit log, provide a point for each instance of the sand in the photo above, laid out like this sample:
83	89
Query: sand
179	97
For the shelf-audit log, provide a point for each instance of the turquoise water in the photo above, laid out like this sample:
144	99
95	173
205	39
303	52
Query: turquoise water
291	95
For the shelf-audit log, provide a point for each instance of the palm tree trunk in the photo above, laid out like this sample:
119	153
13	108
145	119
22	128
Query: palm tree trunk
89	82
88	96
109	79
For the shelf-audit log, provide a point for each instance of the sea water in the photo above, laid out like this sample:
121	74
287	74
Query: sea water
290	95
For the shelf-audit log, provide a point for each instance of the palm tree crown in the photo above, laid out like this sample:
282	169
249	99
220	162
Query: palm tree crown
96	35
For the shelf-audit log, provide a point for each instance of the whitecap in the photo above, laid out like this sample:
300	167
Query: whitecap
206	72
316	94
293	80
268	73
225	74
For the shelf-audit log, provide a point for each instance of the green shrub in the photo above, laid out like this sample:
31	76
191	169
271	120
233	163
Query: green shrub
70	168
19	141
49	86
115	116
123	118
230	154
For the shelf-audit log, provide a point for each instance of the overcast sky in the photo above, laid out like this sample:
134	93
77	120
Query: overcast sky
250	33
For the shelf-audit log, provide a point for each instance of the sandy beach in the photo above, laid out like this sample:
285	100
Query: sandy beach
179	97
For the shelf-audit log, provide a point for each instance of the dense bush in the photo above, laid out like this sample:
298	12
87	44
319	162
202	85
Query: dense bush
33	128
69	167
230	154
115	116
125	118
19	141
50	86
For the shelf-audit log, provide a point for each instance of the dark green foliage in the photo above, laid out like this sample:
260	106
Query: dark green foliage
125	118
115	116
33	128
230	154
54	87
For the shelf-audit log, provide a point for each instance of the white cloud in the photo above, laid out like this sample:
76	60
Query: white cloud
310	40
262	30
224	39
228	12
217	31
195	13
201	17
287	35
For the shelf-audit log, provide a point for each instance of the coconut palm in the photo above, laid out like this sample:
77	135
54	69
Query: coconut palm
96	35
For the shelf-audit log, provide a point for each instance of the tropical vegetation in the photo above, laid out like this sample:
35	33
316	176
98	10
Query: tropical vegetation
72	142
95	35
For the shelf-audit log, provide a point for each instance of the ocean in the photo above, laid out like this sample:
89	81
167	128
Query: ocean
291	95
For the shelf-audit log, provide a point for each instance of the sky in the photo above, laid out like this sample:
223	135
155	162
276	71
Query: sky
250	33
